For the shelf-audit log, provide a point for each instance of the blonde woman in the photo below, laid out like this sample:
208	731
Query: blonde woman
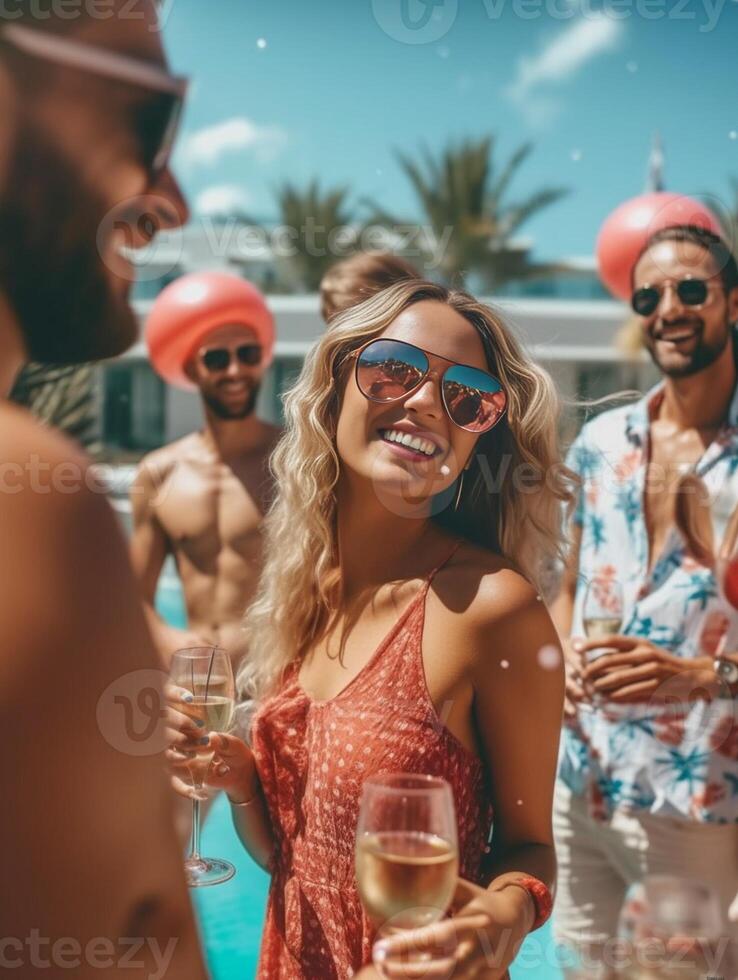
398	627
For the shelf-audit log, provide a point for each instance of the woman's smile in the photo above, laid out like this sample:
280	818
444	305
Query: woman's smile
410	443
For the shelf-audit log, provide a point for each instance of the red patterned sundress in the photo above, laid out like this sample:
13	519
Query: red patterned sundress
312	758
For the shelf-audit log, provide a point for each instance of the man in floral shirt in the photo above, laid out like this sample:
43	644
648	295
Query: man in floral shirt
649	764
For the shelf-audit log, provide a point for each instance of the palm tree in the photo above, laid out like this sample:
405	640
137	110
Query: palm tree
465	198
312	217
62	396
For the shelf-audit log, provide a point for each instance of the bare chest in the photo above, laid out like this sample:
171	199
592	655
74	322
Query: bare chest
206	509
673	453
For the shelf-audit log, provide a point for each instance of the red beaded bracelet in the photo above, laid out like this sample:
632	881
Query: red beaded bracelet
539	893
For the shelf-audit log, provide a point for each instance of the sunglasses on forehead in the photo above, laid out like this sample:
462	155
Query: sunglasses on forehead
220	358
388	370
691	292
155	123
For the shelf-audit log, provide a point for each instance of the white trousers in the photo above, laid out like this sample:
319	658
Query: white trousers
598	861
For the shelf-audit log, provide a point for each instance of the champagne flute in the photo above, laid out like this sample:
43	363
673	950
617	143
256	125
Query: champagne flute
602	613
672	928
407	853
603	606
207	674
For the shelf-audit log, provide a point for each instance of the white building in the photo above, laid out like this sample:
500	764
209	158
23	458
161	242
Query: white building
563	318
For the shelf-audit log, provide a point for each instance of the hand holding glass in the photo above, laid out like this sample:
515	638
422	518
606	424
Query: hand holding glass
205	677
406	851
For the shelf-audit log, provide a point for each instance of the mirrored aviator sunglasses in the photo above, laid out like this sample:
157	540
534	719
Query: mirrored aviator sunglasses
388	370
219	358
691	292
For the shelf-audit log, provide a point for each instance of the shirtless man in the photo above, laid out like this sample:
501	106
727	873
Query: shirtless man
648	773
92	871
203	497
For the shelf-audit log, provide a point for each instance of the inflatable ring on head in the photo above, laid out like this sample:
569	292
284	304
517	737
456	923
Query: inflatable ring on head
191	308
625	233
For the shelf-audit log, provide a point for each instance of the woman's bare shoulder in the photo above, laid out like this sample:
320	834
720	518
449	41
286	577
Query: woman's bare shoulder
488	605
485	584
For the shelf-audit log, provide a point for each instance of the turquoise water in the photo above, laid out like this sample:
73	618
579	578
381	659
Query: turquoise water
231	915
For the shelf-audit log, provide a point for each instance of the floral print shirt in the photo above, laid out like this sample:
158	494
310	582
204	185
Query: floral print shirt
671	758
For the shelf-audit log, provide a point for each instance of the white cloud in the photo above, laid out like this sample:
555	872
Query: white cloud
221	199
207	146
560	59
540	112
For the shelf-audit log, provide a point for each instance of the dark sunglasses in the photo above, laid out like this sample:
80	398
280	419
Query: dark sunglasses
691	292
155	121
219	358
387	370
155	124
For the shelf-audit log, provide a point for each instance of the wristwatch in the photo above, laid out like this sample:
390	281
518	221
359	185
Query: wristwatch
726	670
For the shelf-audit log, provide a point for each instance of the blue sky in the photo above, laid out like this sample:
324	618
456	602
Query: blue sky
330	88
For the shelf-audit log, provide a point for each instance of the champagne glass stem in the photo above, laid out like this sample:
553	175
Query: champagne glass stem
194	854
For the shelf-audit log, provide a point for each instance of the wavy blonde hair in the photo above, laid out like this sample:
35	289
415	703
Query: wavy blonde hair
299	588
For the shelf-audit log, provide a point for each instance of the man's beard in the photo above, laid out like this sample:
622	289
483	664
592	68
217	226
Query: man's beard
703	355
50	269
224	411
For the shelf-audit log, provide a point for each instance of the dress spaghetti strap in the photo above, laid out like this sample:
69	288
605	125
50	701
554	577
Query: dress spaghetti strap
445	561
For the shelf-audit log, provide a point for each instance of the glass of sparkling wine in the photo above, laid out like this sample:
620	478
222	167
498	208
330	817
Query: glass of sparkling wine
407	854
207	674
602	613
603	607
672	928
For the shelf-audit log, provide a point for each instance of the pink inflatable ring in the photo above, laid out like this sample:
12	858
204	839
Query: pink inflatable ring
191	308
625	233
